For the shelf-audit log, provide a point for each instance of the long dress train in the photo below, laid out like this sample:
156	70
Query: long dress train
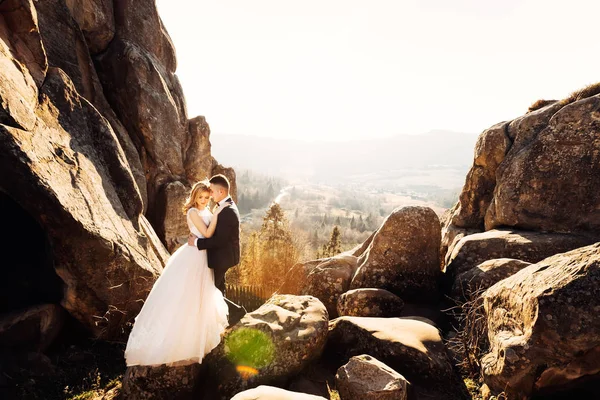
184	315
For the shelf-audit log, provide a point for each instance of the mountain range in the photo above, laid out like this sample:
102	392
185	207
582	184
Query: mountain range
326	161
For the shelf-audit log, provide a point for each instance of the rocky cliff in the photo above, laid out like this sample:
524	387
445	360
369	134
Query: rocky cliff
98	154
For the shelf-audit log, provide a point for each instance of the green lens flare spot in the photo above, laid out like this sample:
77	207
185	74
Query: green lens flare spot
250	347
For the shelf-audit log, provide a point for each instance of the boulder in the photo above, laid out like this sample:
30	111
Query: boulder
527	246
543	325
476	280
412	348
490	149
267	346
273	393
160	382
33	329
328	280
366	378
70	175
369	303
404	256
552	183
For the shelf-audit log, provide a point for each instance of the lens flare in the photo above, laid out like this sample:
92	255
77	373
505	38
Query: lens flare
249	350
246	372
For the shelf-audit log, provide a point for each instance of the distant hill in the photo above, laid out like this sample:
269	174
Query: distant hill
323	161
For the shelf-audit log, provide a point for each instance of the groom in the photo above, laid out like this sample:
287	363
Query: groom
223	247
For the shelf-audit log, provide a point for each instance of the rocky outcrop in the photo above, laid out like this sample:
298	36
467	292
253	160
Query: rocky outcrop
364	377
369	303
524	168
71	176
528	246
137	73
477	280
404	256
66	49
543	325
273	393
410	347
94	132
267	346
551	183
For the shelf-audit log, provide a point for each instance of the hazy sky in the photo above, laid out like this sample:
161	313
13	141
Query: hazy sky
346	69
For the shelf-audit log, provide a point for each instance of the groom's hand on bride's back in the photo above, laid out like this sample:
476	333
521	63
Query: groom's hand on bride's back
192	240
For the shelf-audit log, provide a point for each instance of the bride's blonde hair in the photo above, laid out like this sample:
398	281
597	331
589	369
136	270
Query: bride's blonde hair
192	199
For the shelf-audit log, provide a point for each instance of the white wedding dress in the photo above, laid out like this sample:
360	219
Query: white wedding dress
184	315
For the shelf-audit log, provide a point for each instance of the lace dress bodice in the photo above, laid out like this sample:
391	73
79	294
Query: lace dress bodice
204	214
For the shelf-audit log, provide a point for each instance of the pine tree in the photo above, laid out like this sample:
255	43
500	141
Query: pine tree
334	246
352	223
278	252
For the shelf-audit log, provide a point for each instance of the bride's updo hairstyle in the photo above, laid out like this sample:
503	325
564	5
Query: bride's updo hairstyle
192	199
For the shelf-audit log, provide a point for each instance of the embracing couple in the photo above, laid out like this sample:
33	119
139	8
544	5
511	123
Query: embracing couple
186	312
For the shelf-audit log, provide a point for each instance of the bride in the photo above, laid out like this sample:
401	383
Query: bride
185	314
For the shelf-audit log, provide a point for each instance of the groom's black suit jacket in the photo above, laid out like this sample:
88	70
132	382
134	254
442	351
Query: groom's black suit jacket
223	247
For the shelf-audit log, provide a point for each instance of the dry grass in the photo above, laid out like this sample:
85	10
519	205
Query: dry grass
584	93
588	91
471	340
540	104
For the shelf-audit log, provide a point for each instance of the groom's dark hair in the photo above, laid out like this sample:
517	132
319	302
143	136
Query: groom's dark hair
220	180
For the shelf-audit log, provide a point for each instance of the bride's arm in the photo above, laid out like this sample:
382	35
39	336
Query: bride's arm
206	231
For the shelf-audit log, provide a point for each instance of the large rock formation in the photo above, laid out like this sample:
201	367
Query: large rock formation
543	325
93	130
537	172
71	175
551	182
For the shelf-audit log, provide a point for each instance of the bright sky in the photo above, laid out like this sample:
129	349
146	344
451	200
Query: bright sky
350	69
